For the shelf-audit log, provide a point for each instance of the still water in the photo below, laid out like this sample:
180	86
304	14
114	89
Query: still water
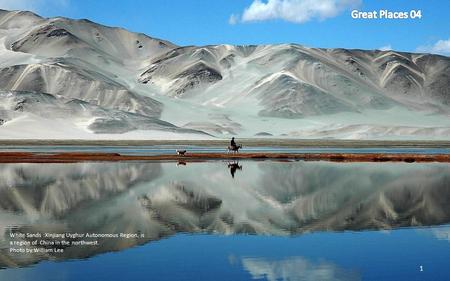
170	149
252	220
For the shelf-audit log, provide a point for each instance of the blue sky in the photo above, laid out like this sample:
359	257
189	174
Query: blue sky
307	22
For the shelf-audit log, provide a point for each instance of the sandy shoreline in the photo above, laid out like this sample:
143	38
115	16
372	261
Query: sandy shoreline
74	157
253	142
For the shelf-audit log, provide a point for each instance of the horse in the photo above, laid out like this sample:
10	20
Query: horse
235	148
181	152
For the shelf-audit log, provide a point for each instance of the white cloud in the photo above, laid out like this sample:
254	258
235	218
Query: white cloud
17	5
233	19
387	47
297	11
31	5
440	47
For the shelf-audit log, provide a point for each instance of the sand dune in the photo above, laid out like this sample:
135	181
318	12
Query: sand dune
287	90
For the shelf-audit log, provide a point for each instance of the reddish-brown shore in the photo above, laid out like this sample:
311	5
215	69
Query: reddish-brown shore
74	157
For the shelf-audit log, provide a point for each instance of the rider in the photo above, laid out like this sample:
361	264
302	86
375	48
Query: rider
232	143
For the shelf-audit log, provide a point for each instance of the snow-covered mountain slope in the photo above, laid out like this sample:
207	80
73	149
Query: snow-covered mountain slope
72	118
281	90
66	79
294	81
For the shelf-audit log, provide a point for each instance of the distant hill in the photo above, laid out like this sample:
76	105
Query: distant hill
143	88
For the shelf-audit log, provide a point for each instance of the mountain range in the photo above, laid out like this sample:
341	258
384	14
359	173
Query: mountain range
76	79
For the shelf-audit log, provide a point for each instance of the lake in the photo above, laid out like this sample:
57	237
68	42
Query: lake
221	220
170	149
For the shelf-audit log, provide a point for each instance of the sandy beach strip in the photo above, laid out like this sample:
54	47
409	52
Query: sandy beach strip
253	142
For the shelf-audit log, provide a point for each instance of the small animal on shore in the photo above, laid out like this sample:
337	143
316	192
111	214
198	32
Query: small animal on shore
235	148
181	152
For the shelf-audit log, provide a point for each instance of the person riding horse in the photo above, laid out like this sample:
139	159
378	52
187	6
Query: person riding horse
232	143
233	147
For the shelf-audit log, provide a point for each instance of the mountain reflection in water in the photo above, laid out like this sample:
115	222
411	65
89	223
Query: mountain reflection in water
162	199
